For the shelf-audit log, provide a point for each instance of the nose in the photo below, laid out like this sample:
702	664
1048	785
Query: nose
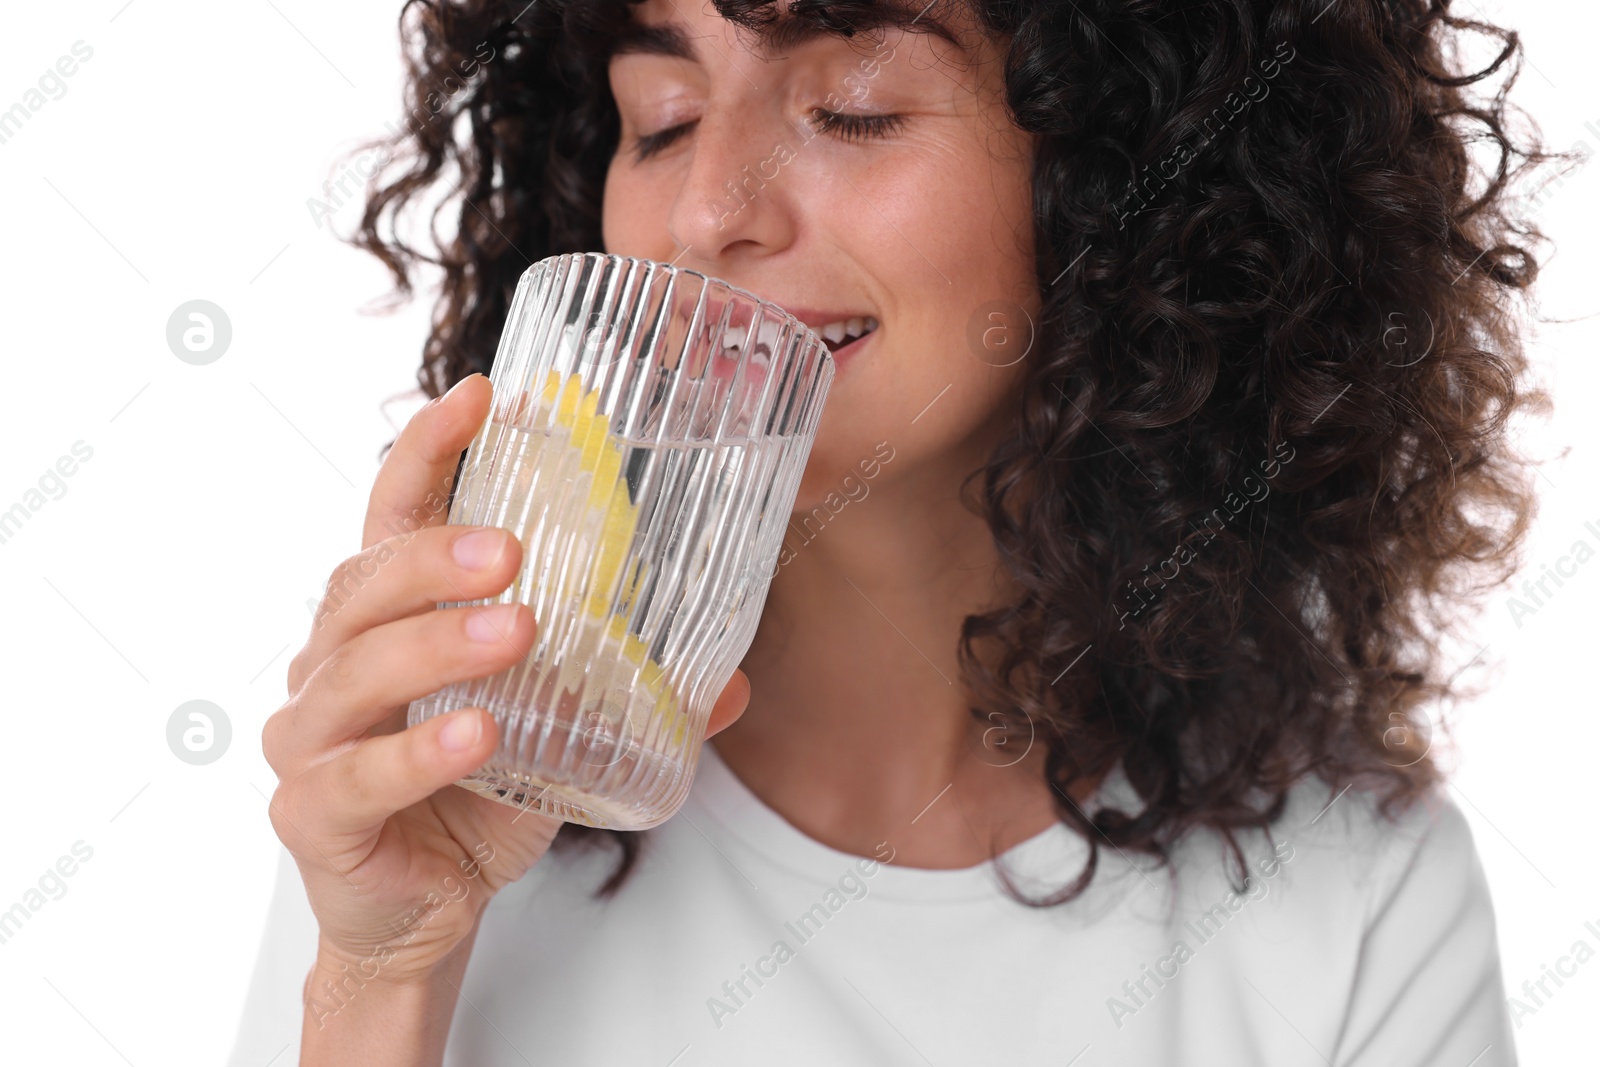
733	203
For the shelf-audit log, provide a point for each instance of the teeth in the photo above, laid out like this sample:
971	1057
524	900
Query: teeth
733	341
851	328
766	336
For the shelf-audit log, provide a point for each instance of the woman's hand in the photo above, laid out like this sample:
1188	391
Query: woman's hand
398	862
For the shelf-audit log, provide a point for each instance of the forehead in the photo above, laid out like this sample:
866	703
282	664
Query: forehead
678	27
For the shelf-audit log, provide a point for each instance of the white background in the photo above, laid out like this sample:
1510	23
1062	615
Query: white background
179	562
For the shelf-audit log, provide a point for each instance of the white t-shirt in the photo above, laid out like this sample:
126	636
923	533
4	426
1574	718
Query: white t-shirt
740	940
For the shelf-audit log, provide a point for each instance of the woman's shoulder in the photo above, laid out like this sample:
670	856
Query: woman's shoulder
1385	909
1342	846
1379	851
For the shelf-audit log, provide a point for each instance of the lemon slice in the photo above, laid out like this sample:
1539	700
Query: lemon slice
601	455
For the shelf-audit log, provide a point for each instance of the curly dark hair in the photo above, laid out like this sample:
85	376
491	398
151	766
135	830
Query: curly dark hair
1237	502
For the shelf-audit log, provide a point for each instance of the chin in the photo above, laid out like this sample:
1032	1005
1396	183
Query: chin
841	473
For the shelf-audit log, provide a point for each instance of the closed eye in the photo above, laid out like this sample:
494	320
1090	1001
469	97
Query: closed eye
649	144
841	124
848	127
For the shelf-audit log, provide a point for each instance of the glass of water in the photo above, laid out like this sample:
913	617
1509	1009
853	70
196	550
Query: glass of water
646	440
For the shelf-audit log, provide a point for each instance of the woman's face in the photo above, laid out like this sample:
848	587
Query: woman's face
911	208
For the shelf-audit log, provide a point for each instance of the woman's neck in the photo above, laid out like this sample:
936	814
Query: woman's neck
858	730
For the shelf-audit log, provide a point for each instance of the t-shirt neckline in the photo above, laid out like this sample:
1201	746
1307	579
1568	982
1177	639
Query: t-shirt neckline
1039	864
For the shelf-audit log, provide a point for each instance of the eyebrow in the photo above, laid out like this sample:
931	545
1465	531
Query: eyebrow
781	34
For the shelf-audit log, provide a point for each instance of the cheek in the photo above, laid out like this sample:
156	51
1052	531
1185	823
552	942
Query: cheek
612	200
632	214
946	233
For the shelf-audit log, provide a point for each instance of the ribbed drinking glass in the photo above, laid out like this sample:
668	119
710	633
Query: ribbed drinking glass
647	435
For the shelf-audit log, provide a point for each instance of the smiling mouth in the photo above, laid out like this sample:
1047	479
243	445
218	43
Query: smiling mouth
837	336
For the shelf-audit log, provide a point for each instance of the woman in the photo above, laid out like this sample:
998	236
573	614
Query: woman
1093	730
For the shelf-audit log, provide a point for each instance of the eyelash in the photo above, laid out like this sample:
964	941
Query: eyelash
845	126
651	143
848	127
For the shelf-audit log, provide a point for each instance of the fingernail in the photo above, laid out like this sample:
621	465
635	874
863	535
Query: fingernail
480	549
491	623
458	385
461	732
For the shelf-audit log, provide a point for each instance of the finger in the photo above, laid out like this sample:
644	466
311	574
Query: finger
364	680
412	489
403	576
735	697
354	793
